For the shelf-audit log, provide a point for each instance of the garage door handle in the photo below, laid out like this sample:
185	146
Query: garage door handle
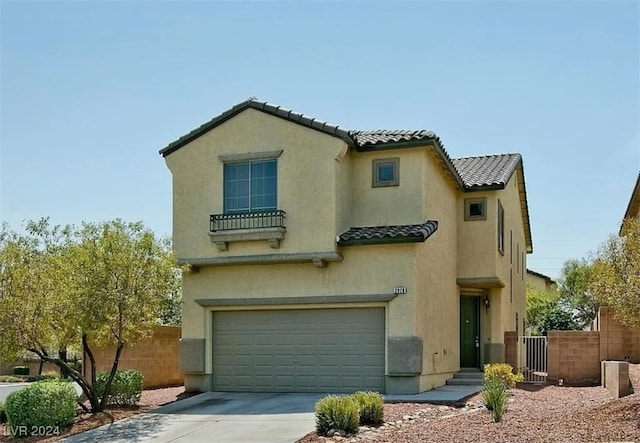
295	361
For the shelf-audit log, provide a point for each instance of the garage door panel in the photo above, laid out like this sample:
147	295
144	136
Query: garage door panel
322	350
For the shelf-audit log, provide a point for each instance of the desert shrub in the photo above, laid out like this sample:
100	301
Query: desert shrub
494	396
504	372
10	379
337	412
40	404
371	407
21	370
126	387
3	414
48	376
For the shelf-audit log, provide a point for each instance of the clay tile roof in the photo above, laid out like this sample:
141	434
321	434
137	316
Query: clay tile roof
372	235
364	138
486	171
263	106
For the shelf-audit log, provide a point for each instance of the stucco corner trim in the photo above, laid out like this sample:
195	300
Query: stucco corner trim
300	300
265	155
480	282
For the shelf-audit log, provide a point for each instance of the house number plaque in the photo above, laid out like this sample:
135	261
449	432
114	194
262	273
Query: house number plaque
400	290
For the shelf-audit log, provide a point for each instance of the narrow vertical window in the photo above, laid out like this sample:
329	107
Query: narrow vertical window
510	246
500	228
510	285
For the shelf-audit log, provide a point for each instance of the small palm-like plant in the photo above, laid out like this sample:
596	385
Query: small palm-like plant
494	396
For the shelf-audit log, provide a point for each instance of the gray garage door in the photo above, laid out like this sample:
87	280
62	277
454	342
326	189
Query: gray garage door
313	350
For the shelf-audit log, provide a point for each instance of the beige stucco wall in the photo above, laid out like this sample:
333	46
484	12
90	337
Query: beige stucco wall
365	270
308	161
438	308
393	205
511	267
477	239
479	257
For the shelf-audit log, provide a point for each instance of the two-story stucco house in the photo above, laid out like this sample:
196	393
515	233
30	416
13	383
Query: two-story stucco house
330	260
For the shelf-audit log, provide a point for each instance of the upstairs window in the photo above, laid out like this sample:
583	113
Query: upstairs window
250	186
386	172
475	209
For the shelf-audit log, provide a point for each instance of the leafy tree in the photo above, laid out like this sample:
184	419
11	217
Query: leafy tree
60	286
616	274
171	309
575	292
539	303
556	318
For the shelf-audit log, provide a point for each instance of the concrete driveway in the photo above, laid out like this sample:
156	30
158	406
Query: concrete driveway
8	388
216	416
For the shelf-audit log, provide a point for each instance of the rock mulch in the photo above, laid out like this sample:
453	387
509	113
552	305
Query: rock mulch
535	414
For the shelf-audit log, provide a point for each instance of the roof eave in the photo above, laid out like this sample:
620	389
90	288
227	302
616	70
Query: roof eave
267	108
382	241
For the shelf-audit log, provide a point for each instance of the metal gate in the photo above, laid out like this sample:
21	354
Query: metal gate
533	359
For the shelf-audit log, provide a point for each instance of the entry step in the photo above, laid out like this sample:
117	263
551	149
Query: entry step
467	378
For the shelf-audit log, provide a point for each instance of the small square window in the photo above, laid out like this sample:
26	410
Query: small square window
475	208
386	172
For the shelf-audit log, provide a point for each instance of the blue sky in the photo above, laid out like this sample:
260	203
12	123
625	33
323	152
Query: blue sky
90	91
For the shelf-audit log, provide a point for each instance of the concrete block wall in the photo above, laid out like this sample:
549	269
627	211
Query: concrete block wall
511	350
34	365
617	342
156	358
573	356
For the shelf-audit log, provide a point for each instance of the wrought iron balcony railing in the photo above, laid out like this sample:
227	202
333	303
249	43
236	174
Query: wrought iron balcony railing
249	220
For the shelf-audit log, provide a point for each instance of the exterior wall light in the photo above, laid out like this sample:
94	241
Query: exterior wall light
486	303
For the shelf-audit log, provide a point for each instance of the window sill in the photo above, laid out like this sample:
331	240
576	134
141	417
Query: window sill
272	235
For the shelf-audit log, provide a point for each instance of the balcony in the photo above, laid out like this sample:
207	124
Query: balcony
226	228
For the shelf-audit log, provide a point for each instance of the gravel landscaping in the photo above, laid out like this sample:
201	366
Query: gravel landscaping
534	414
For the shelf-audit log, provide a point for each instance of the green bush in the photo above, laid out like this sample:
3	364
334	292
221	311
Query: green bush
494	396
126	387
337	412
3	414
40	404
504	372
21	370
45	377
371	407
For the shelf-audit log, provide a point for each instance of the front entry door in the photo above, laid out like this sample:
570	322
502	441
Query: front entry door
469	332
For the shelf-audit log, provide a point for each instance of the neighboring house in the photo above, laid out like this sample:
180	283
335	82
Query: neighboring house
329	260
633	208
539	281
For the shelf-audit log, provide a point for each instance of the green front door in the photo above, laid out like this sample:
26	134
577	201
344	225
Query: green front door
469	332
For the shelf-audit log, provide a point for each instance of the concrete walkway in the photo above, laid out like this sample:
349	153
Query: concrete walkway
445	395
216	416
